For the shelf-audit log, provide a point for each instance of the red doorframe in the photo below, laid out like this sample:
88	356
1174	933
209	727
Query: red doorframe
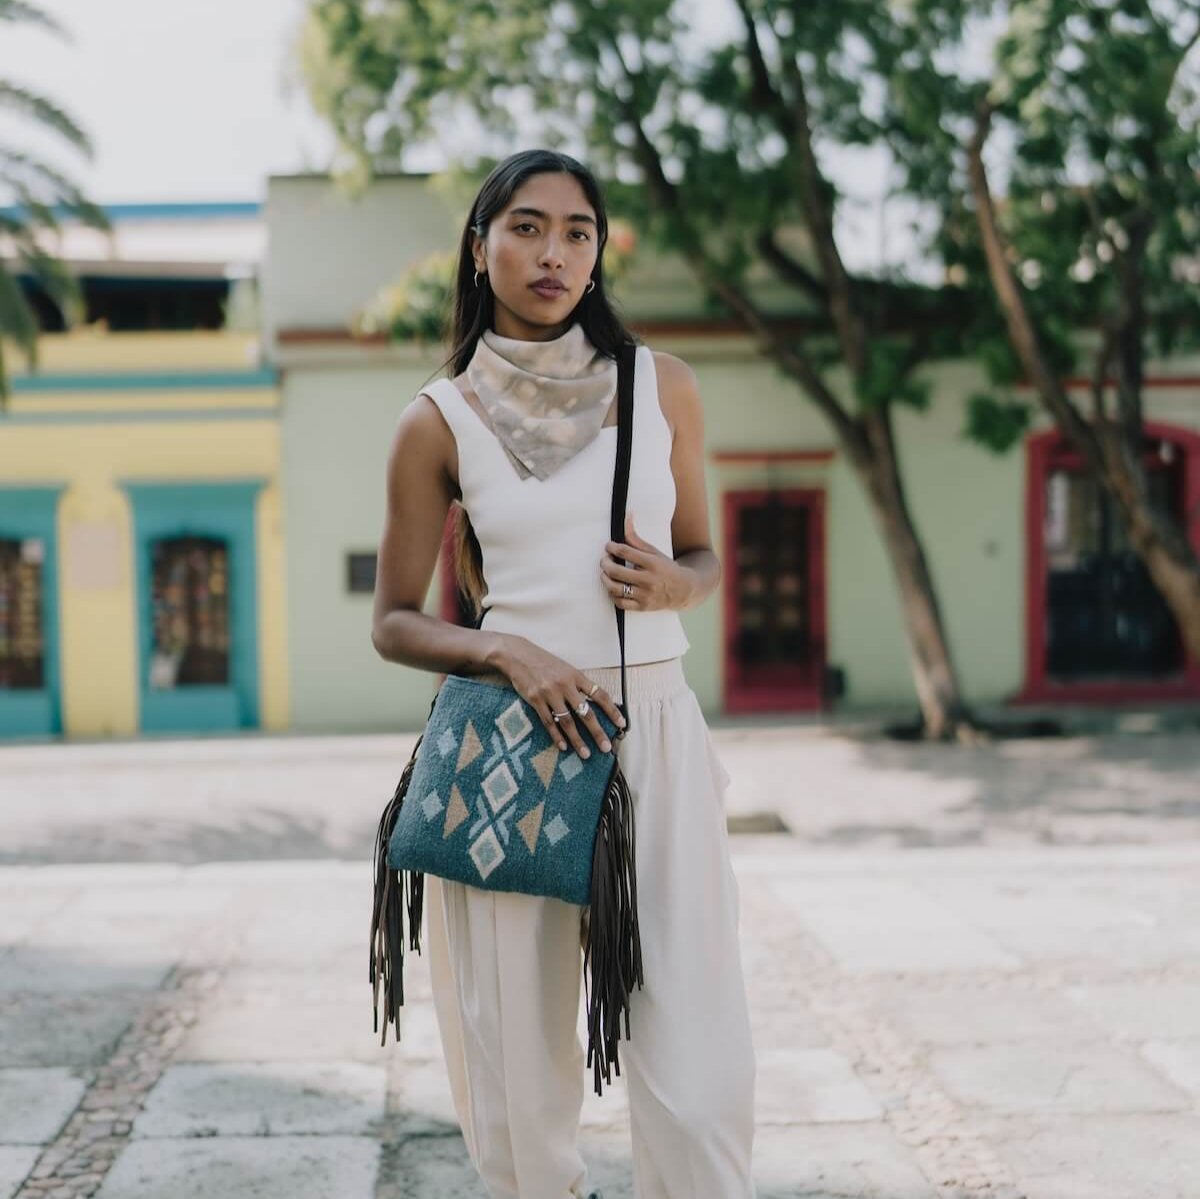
780	690
1045	451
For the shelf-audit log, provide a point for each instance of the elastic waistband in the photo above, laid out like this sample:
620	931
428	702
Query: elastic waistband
644	683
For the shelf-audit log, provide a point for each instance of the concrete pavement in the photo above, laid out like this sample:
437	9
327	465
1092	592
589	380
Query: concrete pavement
962	982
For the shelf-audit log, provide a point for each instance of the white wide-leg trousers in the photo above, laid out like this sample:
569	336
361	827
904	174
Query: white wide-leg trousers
506	975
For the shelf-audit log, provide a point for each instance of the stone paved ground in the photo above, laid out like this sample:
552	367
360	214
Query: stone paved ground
972	973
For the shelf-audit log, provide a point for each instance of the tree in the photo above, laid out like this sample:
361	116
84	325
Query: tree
1098	226
43	195
719	143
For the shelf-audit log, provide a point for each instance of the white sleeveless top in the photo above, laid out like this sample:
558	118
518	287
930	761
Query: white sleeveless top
542	539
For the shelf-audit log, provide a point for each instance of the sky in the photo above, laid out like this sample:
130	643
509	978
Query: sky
198	100
185	100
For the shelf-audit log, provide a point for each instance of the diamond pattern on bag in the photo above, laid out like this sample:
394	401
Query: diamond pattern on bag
502	823
447	742
432	805
487	853
557	829
571	766
514	724
500	786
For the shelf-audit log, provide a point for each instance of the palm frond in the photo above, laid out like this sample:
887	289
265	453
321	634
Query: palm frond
46	113
23	173
17	319
32	14
51	274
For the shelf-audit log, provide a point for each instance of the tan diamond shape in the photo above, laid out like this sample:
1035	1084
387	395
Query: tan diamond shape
456	813
472	747
530	825
544	764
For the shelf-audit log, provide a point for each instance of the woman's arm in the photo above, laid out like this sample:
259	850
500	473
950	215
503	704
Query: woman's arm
691	577
420	489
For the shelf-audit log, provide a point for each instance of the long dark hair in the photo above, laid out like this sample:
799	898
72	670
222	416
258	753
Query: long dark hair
474	308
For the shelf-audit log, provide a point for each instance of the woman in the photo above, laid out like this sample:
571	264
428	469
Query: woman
523	439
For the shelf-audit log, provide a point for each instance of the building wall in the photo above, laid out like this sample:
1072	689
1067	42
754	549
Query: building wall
968	503
180	409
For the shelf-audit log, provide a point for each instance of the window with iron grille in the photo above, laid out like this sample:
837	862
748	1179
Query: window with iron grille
22	640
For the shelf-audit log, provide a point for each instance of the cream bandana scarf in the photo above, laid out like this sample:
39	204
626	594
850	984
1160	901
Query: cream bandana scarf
546	399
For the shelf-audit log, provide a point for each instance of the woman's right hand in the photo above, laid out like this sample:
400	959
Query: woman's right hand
548	685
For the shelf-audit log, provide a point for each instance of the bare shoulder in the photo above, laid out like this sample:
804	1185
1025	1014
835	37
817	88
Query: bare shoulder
423	440
678	392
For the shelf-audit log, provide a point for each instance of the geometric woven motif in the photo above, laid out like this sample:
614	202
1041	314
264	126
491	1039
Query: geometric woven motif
477	813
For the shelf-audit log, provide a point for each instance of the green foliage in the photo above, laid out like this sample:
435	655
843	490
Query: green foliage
1096	130
996	424
887	378
1096	135
417	307
42	194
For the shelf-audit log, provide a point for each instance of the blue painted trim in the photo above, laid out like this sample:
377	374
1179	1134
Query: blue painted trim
142	417
224	509
162	212
144	381
32	512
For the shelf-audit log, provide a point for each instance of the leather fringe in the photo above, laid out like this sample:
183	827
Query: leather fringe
612	960
393	891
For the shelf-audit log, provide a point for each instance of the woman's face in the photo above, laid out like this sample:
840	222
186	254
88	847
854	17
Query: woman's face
538	255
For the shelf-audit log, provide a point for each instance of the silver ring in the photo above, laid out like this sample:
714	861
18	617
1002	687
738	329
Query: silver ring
627	590
557	716
583	709
595	688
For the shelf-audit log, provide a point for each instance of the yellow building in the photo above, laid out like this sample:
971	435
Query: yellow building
141	548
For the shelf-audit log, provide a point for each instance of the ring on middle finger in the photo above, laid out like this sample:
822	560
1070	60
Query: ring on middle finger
583	709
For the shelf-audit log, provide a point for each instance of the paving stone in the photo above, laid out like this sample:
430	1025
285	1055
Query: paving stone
965	1015
420	1098
1038	901
35	1104
83	968
1103	1156
1116	948
1178	1060
831	1161
881	924
15	1163
74	1030
1038	1076
274	1099
810	1086
1162	1010
283	1031
246	1167
437	1168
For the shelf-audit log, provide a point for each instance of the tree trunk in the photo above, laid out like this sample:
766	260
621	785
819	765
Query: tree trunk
1162	546
946	716
1112	452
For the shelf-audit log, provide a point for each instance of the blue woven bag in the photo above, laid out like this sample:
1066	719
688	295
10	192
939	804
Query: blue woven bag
488	799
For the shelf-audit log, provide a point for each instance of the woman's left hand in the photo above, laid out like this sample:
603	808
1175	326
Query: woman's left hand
656	581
